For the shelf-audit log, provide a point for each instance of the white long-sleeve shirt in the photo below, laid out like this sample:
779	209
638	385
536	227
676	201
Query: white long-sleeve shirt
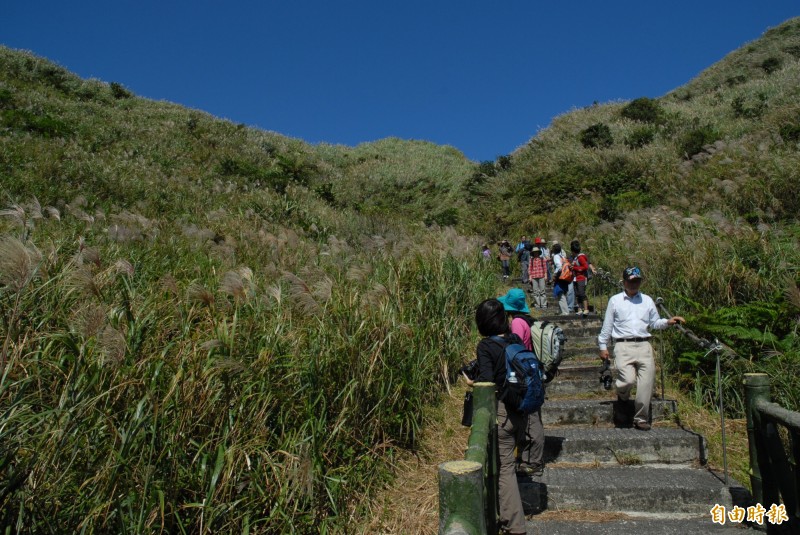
630	317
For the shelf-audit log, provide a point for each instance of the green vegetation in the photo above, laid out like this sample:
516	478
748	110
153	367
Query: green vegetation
211	328
702	194
207	328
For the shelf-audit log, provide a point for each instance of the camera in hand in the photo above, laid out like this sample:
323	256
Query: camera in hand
606	376
470	369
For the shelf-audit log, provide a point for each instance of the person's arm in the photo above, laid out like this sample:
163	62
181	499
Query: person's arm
605	332
485	362
657	322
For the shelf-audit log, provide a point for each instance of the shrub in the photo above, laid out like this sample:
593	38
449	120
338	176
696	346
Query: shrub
694	140
738	79
749	110
643	109
791	132
640	137
119	92
444	218
43	125
597	136
6	98
771	65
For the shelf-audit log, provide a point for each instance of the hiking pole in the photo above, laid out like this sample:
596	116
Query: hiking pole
717	349
660	302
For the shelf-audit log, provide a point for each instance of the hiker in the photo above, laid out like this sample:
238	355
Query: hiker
504	256
561	288
524	256
513	427
580	266
542	244
487	253
629	315
537	273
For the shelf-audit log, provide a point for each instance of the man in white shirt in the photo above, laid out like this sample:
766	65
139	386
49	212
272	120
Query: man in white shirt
628	317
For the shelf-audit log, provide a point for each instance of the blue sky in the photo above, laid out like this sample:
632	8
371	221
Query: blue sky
483	77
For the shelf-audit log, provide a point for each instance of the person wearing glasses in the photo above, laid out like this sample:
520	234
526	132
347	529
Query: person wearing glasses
629	316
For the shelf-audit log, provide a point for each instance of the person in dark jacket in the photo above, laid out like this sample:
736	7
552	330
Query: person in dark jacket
492	321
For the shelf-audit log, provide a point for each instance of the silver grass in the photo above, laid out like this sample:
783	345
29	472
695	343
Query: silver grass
16	213
197	293
301	295
90	319
233	285
169	284
53	213
112	343
83	281
124	267
19	263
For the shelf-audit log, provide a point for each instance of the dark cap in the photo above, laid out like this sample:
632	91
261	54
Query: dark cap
632	273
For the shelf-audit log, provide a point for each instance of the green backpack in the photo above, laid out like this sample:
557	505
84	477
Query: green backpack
547	340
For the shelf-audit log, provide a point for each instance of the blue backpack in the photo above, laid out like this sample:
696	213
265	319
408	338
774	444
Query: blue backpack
522	390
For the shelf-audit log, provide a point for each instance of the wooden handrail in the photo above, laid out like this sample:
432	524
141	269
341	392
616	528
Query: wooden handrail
468	489
773	476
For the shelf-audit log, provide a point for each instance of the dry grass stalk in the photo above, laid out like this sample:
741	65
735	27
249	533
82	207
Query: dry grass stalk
410	505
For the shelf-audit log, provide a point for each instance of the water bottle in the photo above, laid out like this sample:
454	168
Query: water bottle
512	377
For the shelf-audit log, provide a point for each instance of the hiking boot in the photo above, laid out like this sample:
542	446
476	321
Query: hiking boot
642	426
534	470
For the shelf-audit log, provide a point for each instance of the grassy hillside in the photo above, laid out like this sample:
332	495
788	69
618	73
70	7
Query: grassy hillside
698	186
208	328
211	328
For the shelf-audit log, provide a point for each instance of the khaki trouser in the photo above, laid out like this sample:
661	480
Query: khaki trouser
516	433
636	367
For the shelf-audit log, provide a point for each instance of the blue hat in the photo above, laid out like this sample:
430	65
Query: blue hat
514	301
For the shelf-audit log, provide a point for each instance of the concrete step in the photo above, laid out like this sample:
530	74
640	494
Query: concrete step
581	369
623	446
636	525
584	352
566	387
596	411
652	489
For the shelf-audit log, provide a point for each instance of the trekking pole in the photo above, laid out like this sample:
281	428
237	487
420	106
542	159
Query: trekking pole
717	348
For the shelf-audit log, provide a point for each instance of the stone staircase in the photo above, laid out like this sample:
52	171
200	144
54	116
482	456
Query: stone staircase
603	476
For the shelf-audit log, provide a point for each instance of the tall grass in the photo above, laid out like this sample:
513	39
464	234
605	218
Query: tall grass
138	400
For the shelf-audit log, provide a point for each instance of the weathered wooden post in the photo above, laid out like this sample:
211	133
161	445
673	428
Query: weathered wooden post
756	387
484	398
461	498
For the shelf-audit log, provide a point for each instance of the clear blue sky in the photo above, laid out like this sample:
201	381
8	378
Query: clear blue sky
483	77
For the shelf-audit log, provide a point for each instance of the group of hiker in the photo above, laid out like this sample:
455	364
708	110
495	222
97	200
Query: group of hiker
541	266
506	356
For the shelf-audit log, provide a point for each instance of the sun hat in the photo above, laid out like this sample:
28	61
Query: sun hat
632	272
514	301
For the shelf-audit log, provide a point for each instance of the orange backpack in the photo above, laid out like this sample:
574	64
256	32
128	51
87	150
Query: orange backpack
566	273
